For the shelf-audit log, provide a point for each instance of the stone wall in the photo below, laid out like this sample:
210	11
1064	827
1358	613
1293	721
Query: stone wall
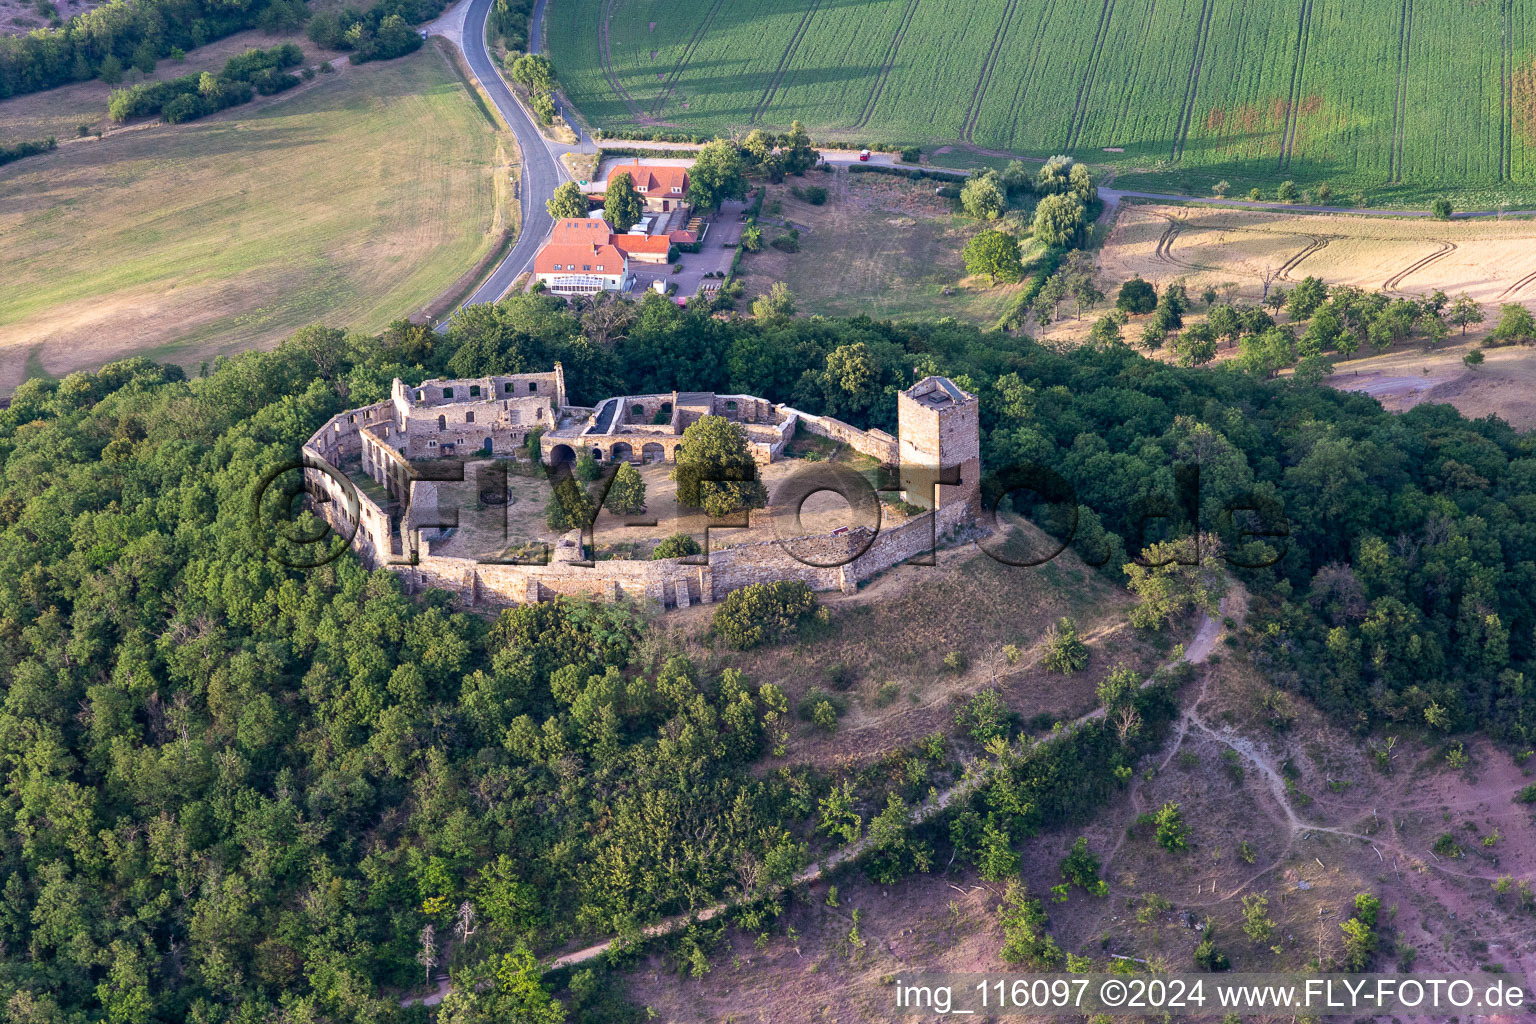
379	439
877	444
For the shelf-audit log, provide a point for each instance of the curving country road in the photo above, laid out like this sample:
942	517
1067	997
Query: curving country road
464	26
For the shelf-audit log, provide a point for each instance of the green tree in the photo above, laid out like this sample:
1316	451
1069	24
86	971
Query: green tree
1081	868
1058	219
568	201
1136	296
111	70
1196	345
1474	358
715	470
1288	192
1055	176
533	71
1106	329
1306	297
1441	208
1169	580
797	151
995	254
1465	312
1515	326
777	306
718	174
982	196
622	205
626	493
570	506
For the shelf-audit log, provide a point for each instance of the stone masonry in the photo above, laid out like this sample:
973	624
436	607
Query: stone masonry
369	472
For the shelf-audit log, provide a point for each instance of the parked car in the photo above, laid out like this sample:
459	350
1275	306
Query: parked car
864	155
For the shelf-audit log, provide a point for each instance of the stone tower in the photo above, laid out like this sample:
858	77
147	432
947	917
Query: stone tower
940	447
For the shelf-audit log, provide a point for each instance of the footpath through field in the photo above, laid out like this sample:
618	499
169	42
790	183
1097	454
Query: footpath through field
972	778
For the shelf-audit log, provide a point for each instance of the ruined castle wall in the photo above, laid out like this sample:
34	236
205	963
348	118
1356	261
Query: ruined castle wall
877	444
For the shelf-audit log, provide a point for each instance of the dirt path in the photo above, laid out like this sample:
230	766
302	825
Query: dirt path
974	775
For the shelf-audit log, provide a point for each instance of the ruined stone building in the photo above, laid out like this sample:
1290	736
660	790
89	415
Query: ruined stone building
372	472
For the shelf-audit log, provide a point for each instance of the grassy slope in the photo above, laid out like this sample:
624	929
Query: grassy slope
880	246
354	202
1192	92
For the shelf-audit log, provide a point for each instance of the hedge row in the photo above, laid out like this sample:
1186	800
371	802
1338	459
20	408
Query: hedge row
200	94
17	150
914	173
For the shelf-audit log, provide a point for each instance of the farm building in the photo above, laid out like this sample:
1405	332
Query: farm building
663	188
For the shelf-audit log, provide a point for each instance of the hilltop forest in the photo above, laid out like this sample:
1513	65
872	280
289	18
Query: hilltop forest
235	791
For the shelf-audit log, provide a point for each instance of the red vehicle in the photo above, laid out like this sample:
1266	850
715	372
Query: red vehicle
864	155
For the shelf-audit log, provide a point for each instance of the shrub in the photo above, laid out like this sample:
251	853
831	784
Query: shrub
760	612
17	150
985	717
813	194
912	154
1065	651
1172	833
814	699
679	545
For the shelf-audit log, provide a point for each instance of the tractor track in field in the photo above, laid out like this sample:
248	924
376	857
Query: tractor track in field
605	59
687	57
1318	243
1085	87
774	83
1164	251
1303	35
1506	94
1519	285
1192	85
884	73
1391	283
1400	107
1034	62
988	67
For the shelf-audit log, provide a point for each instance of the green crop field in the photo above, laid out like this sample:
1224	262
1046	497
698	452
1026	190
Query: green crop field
353	200
1399	98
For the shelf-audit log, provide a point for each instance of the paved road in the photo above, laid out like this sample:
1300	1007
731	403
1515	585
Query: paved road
464	26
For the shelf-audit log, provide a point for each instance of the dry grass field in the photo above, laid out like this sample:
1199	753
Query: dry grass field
355	200
1491	260
881	246
1504	385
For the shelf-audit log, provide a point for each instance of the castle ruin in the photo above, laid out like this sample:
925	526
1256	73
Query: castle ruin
378	474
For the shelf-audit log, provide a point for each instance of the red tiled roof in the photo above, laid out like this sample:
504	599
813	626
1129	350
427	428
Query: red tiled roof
683	237
642	243
560	257
655	180
581	231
